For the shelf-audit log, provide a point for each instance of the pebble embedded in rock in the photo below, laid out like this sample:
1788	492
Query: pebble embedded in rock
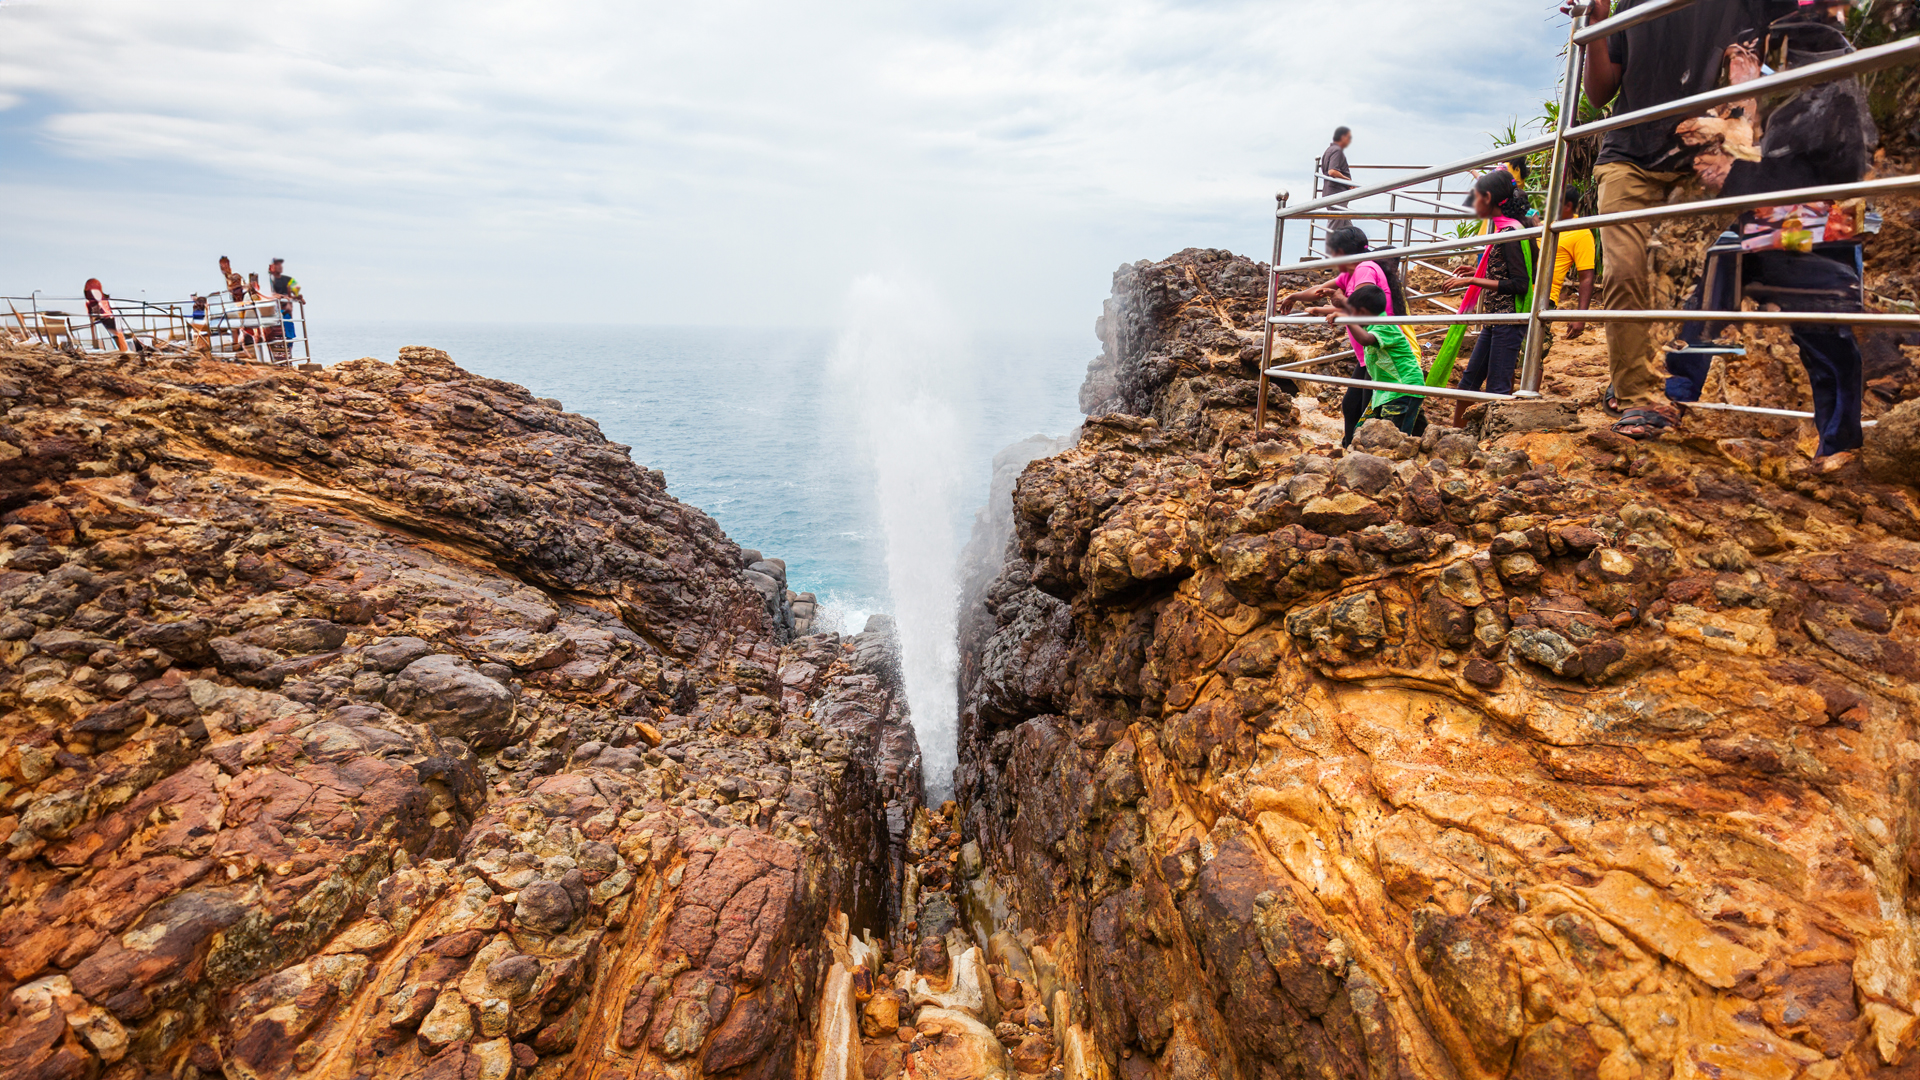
544	906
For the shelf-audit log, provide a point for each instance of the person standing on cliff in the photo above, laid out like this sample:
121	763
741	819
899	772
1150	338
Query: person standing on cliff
100	313
1502	283
1333	163
236	291
287	291
1648	164
1803	256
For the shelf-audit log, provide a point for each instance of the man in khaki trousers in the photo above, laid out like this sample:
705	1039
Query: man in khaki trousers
1672	57
1637	383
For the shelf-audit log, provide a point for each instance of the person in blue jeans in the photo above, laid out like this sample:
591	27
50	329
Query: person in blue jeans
1792	281
287	291
1503	279
1823	135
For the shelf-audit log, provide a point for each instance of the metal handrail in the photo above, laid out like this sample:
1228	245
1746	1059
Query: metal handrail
1404	194
1827	193
1420	390
1503	153
1770	318
250	328
1383	215
1440	319
1343	354
1538	317
1459	244
1761	410
1892	54
1645	13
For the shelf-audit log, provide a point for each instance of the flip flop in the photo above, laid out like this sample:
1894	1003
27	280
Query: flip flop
1643	424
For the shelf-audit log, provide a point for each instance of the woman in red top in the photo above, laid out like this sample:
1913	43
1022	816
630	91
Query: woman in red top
100	307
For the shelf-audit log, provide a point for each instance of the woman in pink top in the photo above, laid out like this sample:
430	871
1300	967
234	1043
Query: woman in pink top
100	310
1343	241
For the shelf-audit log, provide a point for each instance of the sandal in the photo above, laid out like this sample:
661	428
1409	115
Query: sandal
1643	424
1610	403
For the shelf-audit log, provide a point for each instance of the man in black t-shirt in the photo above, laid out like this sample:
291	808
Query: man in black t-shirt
1672	57
1333	162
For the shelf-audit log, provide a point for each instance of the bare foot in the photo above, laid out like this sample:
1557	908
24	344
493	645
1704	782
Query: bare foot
1834	463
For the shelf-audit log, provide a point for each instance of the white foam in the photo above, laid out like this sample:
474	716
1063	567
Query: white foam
904	373
839	614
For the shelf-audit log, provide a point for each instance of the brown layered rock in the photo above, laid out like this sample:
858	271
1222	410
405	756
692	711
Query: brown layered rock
1548	755
390	722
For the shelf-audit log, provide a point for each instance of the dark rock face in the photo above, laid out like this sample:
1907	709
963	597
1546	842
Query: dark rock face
390	722
1558	755
449	694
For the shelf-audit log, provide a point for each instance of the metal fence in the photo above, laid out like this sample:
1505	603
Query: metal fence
253	329
1417	243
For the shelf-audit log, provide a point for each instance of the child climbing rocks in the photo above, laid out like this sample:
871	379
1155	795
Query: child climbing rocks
1343	241
1392	357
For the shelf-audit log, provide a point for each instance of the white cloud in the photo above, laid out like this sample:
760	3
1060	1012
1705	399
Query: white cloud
715	162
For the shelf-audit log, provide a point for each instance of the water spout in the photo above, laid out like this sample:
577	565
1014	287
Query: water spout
903	372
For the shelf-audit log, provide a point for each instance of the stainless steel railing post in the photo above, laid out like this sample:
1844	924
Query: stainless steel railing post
1534	352
1273	305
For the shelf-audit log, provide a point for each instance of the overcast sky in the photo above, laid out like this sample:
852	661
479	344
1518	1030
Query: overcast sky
715	162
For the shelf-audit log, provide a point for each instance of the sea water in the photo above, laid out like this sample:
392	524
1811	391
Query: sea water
857	454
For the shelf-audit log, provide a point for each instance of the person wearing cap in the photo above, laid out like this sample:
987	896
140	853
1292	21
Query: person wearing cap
287	291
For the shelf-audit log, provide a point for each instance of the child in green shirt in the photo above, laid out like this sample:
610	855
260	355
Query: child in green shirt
1391	357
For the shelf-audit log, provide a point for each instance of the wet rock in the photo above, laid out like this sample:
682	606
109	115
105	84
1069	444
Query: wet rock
938	914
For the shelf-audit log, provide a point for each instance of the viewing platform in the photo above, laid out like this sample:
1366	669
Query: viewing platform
262	330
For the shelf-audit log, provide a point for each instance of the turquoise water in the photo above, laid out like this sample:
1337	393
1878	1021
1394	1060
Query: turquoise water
756	426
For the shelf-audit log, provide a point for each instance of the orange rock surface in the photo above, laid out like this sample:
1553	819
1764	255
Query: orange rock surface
1546	754
388	722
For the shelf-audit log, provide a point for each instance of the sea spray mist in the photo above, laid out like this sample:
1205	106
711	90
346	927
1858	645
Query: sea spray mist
906	378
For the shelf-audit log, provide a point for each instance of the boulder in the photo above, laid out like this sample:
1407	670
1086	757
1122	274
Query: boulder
389	655
955	1046
448	693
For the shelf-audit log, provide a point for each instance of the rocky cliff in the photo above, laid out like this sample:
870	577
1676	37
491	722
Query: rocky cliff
388	721
1519	751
